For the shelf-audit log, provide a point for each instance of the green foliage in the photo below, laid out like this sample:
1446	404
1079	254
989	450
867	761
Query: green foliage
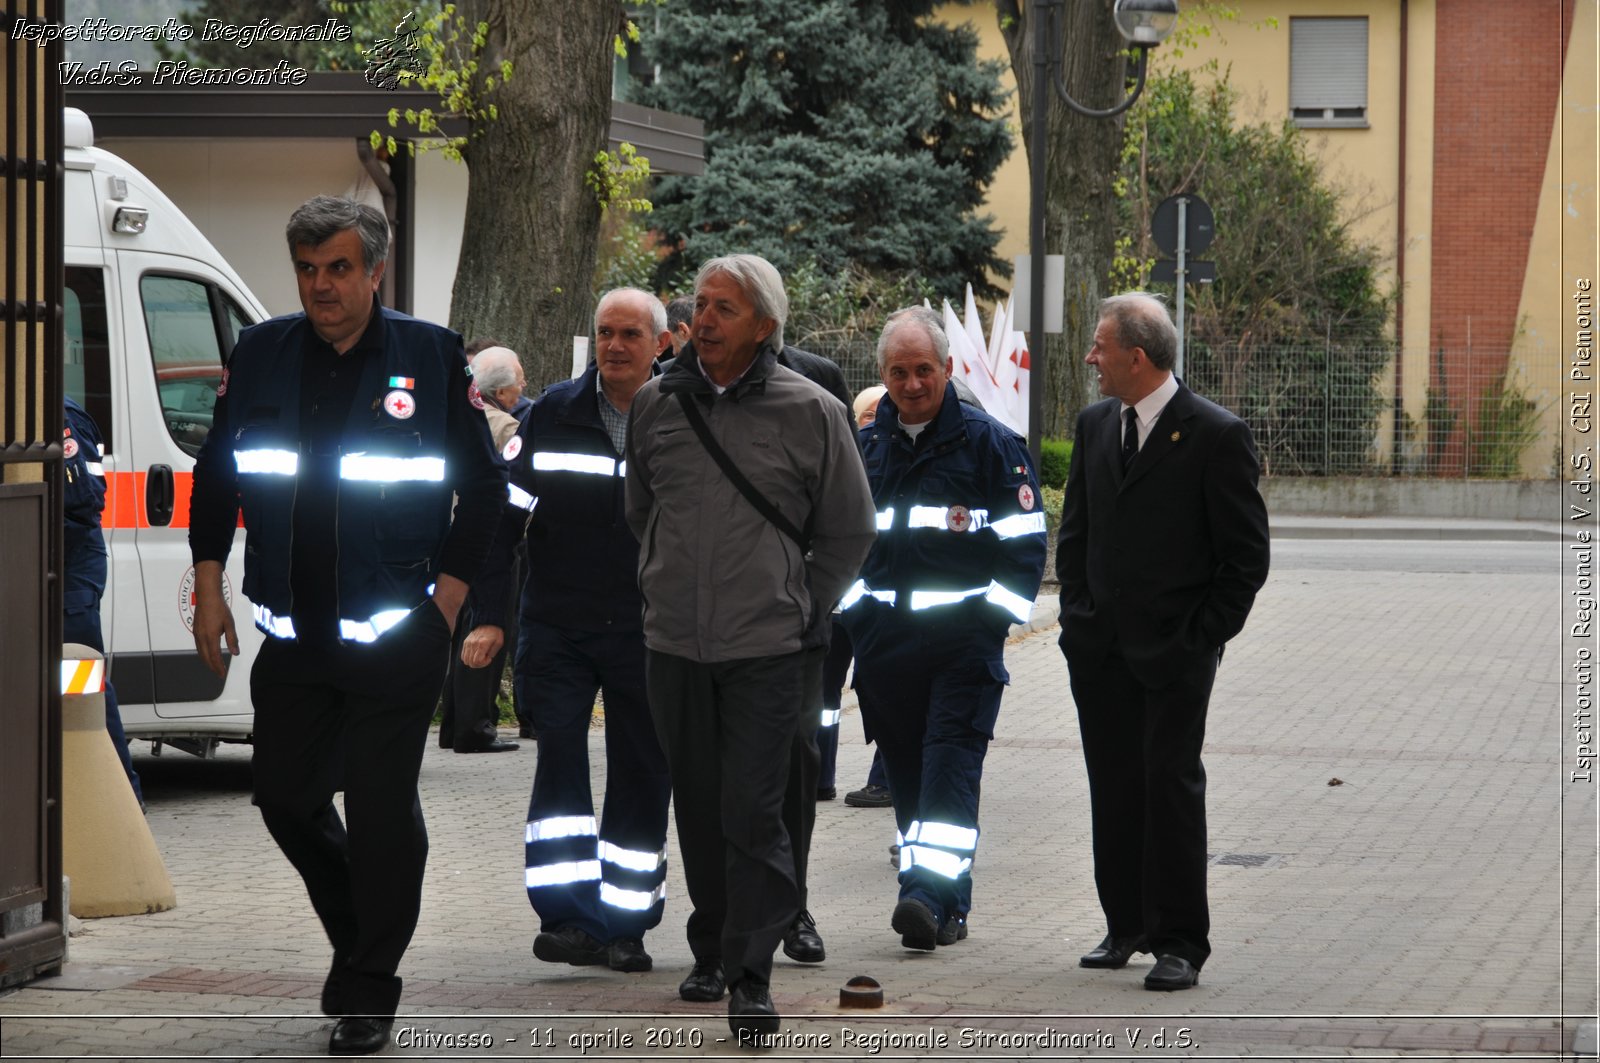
1055	461
451	50
625	256
616	179
847	132
1297	312
844	310
1504	425
1438	423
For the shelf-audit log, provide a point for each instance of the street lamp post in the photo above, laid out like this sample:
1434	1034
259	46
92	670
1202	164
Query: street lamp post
1144	24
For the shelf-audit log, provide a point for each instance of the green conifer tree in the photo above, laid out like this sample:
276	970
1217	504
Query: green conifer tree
845	132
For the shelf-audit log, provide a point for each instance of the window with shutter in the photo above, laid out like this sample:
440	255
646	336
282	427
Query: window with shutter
1328	72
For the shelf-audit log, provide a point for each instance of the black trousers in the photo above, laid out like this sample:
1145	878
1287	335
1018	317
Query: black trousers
728	731
1147	796
330	717
607	879
834	667
805	766
469	716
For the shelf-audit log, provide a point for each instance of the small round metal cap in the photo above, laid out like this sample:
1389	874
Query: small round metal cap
861	992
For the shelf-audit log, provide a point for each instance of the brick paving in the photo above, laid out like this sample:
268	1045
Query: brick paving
1414	910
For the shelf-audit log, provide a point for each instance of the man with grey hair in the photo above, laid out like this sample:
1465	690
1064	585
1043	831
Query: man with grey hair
745	488
597	887
1163	546
680	313
959	556
341	435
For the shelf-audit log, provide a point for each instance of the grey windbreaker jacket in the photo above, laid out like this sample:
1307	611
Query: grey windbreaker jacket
719	581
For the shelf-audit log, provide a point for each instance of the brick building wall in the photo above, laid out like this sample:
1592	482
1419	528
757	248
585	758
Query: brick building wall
1497	80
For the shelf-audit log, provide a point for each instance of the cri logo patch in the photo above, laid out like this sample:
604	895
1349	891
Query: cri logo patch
400	404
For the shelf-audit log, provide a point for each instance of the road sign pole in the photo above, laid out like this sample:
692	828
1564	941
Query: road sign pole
1183	246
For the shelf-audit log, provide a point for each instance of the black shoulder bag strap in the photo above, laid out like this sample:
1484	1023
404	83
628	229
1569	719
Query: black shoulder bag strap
697	421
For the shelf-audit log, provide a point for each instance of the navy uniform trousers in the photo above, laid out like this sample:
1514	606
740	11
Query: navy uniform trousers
930	698
333	716
609	882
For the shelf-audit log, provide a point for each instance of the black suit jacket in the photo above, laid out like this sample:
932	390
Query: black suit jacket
1165	561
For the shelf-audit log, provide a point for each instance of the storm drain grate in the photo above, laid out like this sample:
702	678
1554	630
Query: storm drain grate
1263	860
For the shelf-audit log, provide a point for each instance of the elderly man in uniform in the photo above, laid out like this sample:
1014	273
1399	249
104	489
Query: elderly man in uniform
597	888
469	713
342	434
959	557
753	514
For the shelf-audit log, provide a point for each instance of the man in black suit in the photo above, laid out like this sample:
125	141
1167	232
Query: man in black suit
1163	546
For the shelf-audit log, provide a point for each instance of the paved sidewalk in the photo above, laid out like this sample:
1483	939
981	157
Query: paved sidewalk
1393	843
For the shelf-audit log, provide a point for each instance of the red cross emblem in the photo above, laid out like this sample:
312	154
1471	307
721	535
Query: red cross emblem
957	518
399	404
1025	497
474	396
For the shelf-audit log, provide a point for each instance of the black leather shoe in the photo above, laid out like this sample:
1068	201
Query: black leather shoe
1113	953
497	746
869	797
1171	972
827	793
628	954
704	983
568	944
953	929
525	730
750	1010
802	943
916	925
355	1035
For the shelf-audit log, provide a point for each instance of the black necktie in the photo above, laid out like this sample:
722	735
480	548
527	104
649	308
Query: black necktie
1130	436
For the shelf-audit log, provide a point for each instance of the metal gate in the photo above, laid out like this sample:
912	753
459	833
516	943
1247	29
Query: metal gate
32	909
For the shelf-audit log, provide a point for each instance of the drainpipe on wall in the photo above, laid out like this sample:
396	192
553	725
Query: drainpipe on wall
1396	459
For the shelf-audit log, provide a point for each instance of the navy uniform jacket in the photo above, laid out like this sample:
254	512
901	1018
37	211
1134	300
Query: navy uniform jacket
583	560
83	500
961	529
412	437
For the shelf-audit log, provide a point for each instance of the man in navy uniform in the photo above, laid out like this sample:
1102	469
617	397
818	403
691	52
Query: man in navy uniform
958	560
83	501
597	888
341	433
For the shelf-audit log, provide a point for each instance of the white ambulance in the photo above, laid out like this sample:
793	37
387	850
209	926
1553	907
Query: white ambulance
152	312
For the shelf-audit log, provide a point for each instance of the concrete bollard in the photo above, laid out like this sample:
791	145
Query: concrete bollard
106	845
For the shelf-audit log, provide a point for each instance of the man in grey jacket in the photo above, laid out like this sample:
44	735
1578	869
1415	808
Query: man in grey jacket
732	604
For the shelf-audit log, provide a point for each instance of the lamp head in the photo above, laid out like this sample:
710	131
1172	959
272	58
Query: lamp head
1146	23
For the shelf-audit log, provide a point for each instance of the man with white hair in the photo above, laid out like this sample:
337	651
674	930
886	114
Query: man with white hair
752	510
499	380
469	713
596	887
958	560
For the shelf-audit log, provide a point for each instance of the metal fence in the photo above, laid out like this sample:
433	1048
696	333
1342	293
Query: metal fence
1330	410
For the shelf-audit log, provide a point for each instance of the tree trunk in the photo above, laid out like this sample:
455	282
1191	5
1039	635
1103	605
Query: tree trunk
532	222
1081	156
